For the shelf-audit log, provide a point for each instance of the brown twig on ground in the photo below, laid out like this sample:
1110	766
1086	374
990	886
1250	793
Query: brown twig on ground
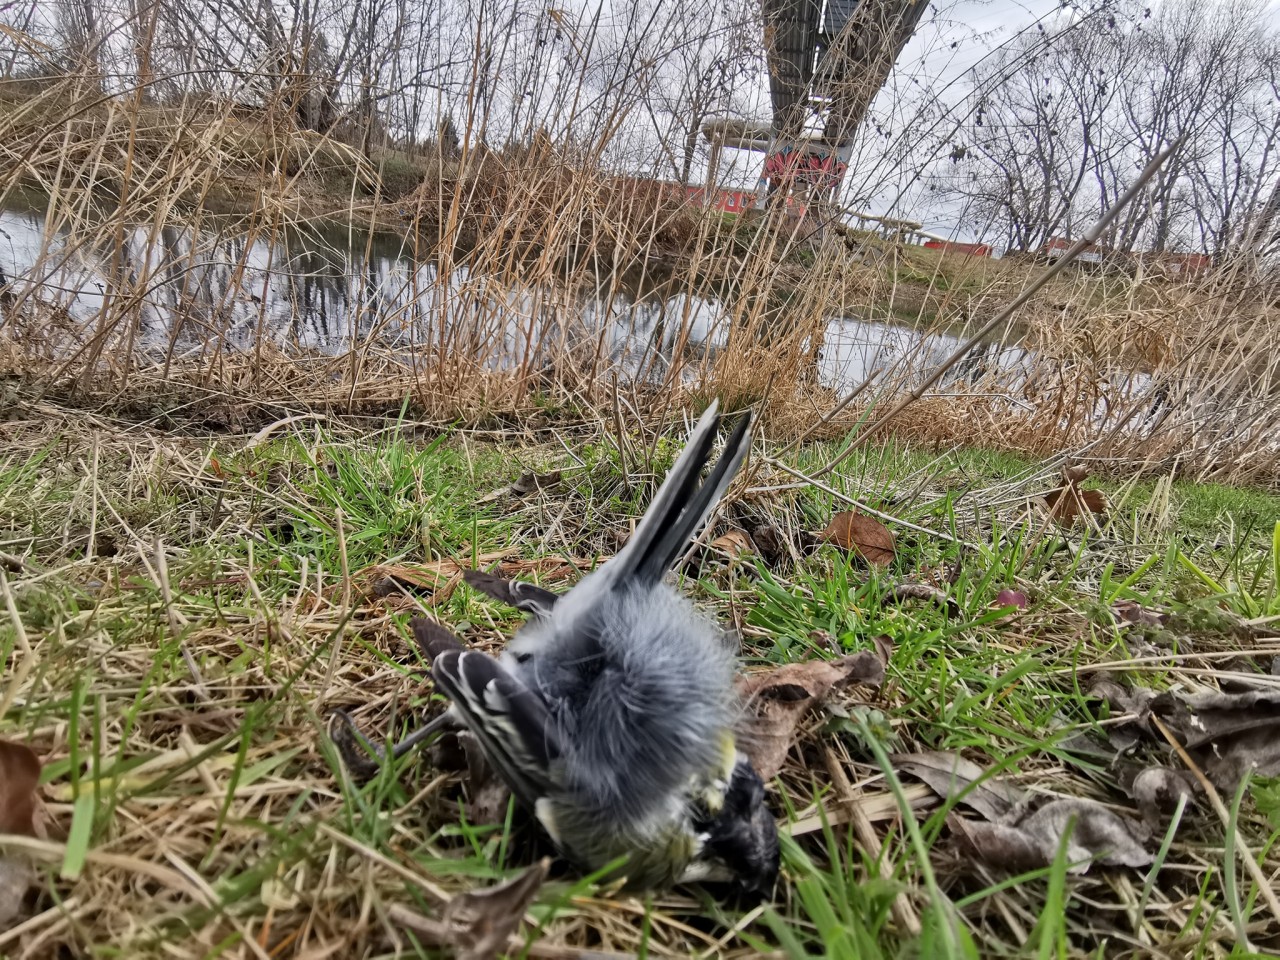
903	910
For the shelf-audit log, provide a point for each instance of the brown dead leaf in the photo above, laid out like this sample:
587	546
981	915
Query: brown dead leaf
735	543
1075	474
526	484
951	776
860	534
1068	504
1122	700
825	639
479	924
438	578
1228	734
772	546
1026	841
780	699
484	920
925	591
19	778
884	647
1158	789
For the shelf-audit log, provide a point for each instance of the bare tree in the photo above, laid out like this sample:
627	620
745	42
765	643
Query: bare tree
1062	123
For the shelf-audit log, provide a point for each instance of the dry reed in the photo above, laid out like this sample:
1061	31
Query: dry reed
506	248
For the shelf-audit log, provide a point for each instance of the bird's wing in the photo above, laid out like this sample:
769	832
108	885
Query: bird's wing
681	505
510	721
527	597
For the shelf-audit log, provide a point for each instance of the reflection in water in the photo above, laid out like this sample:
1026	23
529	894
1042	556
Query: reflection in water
330	292
333	291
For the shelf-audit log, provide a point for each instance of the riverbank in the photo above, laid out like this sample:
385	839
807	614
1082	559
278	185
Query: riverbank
187	611
528	280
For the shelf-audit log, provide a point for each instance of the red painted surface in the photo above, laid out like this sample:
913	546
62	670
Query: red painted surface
1168	264
822	169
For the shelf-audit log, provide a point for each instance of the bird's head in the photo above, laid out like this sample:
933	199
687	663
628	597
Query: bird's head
742	837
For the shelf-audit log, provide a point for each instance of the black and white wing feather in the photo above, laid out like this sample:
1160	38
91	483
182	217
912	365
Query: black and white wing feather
533	600
510	720
433	639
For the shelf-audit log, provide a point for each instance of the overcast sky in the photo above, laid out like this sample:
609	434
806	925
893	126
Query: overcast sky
954	36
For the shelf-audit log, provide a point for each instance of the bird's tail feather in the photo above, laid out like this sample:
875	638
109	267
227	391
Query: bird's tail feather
681	505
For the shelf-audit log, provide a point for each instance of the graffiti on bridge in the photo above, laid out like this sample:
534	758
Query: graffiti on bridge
794	165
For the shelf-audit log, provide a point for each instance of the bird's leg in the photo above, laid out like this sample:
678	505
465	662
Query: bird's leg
346	736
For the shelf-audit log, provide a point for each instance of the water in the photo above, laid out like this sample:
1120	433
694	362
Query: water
331	291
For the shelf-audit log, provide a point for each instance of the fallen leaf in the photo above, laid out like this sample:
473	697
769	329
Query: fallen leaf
484	920
780	698
1157	790
771	544
19	778
1129	612
735	543
1030	840
352	747
884	647
1068	504
16	878
438	578
1123	700
527	483
1075	474
1228	734
479	924
951	776
865	536
824	639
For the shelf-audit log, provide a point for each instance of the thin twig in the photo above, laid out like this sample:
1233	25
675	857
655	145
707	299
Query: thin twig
903	910
177	622
870	511
21	648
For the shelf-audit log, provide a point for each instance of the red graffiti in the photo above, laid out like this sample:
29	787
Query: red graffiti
791	164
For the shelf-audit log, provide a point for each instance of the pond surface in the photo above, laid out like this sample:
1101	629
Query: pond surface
335	290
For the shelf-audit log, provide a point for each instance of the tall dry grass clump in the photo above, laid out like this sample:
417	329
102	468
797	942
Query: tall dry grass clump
153	286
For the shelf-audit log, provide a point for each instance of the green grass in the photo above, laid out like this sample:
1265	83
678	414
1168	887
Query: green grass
221	782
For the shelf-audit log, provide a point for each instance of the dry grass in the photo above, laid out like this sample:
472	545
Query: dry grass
196	510
212	815
519	239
